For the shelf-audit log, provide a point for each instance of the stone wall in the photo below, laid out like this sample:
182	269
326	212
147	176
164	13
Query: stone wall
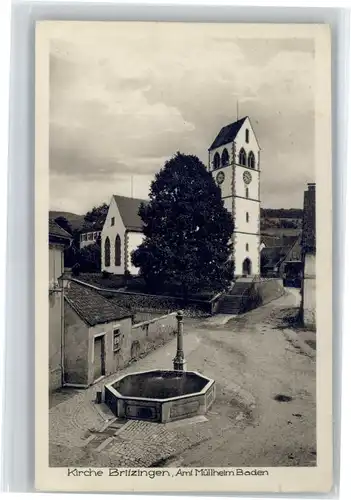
55	339
309	292
263	292
76	344
148	335
269	290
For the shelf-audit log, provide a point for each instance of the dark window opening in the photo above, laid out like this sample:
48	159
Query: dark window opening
107	247
225	158
117	250
216	161
251	160
242	157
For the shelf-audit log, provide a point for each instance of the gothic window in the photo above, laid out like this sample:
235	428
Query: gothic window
247	217
247	135
225	158
247	192
118	251
251	160
107	252
242	157
112	221
247	247
216	161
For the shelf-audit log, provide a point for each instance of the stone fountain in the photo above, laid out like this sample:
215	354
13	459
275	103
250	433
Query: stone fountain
162	395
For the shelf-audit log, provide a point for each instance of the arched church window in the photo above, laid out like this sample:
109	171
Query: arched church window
247	247
117	250
242	157
247	217
247	192
225	158
216	161
247	135
251	160
107	249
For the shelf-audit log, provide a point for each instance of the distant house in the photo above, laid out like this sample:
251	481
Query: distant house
89	237
276	252
308	302
59	239
96	335
121	235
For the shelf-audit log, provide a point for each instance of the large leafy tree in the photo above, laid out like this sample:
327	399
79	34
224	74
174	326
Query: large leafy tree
187	230
96	216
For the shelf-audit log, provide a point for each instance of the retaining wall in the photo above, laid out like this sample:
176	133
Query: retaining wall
269	290
148	335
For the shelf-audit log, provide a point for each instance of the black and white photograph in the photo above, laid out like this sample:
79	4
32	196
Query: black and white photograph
184	189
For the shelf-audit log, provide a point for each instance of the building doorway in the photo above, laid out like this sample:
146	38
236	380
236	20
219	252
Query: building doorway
247	267
99	356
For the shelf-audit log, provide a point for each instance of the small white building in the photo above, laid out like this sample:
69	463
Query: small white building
121	235
88	237
234	161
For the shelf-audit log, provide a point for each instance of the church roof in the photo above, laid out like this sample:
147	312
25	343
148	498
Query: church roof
227	133
128	209
91	306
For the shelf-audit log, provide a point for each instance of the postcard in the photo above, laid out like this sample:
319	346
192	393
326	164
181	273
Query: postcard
183	186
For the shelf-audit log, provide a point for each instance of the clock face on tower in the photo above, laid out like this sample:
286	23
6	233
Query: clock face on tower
247	177
220	177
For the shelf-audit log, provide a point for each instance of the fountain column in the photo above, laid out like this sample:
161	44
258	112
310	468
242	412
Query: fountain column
179	363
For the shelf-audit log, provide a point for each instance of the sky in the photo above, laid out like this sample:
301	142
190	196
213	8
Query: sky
124	99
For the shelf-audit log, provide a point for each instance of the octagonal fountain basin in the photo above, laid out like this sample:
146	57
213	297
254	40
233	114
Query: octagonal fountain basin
160	395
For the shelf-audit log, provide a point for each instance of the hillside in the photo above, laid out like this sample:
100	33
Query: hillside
76	221
282	213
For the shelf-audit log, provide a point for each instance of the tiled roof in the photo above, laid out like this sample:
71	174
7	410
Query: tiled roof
280	240
129	208
56	231
274	255
309	219
227	133
91	306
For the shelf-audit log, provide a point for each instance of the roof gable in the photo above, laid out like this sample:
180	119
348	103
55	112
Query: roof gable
227	133
91	306
274	255
56	232
128	209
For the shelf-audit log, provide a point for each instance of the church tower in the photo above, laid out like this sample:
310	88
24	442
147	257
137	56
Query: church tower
234	161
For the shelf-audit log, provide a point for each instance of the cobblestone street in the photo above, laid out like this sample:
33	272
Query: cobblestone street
263	415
